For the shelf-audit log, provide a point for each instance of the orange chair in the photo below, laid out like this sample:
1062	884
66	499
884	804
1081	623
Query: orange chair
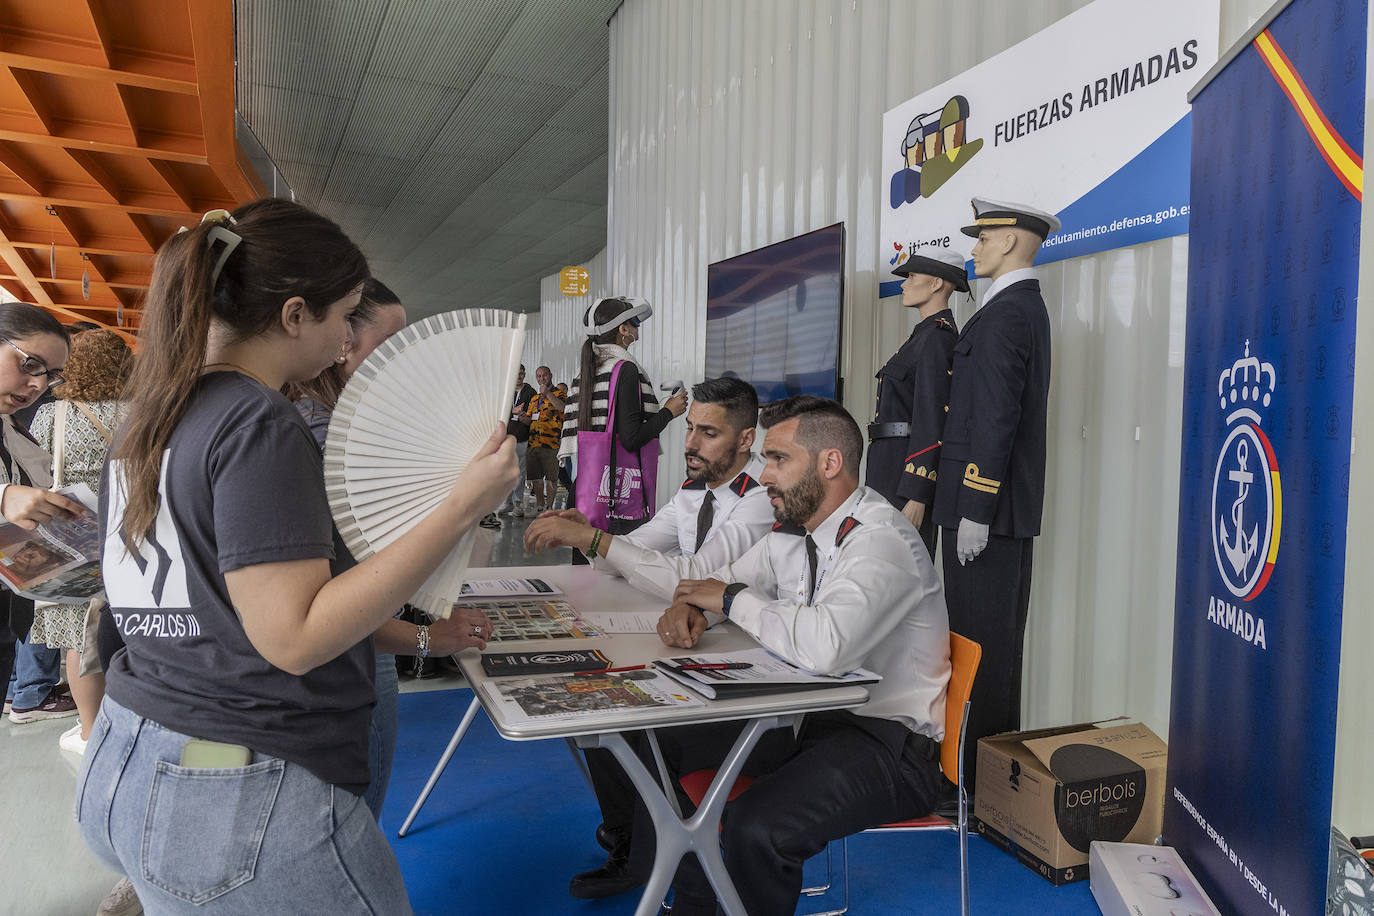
964	657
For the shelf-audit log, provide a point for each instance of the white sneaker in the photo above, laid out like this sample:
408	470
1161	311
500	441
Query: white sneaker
72	741
120	901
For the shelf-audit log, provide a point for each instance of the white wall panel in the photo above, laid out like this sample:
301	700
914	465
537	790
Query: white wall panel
560	335
734	125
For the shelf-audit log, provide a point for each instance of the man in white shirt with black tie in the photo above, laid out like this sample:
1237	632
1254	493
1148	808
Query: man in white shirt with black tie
718	513
842	582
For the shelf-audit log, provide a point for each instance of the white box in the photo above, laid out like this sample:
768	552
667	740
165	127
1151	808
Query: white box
1135	879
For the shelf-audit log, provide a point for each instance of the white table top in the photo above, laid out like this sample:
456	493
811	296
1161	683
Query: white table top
588	590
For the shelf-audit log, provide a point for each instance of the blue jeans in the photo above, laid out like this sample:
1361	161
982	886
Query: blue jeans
36	672
517	496
381	733
269	837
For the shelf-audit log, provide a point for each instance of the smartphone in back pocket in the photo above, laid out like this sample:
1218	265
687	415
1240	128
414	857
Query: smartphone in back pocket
202	754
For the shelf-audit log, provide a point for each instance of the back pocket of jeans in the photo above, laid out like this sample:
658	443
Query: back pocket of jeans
204	827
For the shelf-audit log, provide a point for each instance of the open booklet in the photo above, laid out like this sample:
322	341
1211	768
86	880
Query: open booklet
58	561
564	696
751	671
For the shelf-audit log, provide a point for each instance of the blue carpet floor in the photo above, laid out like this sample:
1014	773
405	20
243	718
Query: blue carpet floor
511	822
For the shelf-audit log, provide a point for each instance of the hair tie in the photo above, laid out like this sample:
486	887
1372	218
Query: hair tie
218	233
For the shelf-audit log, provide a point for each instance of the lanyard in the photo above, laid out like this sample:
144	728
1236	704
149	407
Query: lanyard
824	567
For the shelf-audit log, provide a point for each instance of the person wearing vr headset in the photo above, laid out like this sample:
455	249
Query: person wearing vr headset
612	325
913	388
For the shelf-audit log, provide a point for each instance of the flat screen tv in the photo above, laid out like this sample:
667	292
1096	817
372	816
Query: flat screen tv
773	316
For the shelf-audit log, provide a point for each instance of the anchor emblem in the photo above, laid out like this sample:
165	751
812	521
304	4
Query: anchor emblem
1239	547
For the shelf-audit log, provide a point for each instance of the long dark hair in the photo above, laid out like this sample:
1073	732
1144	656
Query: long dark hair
325	388
605	310
19	320
287	250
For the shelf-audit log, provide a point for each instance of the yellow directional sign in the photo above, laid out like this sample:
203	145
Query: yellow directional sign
572	281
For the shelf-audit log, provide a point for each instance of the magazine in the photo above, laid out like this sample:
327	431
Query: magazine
751	671
565	696
58	561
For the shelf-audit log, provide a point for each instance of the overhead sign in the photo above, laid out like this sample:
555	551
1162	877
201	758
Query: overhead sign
573	281
1269	373
1087	119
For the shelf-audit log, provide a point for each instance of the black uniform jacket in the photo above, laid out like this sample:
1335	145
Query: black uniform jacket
992	465
913	387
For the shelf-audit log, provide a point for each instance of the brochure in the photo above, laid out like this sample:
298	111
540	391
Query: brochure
566	696
532	618
555	661
751	671
58	561
504	588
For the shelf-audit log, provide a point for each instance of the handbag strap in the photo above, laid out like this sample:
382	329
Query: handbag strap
59	442
611	425
100	427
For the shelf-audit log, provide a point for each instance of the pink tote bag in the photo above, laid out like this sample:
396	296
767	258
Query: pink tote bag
613	483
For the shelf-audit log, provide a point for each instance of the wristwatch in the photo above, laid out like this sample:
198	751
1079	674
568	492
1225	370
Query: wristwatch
422	642
727	599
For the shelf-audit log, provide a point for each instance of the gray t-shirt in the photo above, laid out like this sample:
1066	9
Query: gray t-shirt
242	485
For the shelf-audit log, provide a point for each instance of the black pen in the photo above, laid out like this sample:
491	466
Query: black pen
717	666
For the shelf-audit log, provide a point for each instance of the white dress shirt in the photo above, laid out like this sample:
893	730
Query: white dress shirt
878	605
1007	279
662	552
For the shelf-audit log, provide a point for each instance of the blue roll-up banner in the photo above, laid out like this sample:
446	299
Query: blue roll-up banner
1273	257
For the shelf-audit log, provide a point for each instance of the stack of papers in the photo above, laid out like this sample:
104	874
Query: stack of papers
764	673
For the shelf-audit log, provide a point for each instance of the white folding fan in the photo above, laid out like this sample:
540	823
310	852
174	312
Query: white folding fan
407	424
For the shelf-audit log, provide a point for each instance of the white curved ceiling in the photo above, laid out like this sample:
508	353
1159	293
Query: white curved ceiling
462	143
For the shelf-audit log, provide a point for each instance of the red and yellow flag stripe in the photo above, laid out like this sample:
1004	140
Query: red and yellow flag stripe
1344	162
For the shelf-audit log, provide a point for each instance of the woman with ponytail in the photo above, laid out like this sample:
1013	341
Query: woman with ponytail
612	325
225	768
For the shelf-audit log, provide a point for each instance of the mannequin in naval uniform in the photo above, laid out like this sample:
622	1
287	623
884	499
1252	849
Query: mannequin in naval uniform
913	389
991	484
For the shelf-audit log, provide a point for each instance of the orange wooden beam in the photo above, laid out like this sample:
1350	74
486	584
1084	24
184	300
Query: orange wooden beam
212	37
101	74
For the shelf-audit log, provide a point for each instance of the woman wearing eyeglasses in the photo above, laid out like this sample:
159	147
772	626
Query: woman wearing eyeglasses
33	350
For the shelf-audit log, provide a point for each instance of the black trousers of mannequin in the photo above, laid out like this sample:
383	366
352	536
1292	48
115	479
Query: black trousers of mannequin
989	602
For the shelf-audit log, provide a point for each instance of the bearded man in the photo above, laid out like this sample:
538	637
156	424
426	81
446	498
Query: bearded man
832	588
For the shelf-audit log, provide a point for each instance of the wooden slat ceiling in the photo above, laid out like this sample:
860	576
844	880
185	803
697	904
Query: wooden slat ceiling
116	129
462	143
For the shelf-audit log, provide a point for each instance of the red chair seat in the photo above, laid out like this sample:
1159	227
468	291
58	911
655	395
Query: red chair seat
696	783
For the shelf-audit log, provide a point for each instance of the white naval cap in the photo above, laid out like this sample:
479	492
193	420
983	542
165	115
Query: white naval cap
945	263
989	214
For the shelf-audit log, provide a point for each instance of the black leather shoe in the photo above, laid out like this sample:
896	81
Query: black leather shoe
608	838
609	880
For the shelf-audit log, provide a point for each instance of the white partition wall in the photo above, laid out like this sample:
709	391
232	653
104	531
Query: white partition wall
560	318
736	125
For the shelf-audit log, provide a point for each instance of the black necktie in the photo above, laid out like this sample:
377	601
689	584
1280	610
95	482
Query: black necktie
704	516
811	563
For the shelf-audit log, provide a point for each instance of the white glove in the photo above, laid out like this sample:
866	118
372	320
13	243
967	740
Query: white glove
973	537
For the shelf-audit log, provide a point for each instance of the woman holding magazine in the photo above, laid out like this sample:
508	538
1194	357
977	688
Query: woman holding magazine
33	353
77	430
225	770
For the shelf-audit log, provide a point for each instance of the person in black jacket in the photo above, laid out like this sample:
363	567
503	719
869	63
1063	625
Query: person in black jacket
913	388
991	484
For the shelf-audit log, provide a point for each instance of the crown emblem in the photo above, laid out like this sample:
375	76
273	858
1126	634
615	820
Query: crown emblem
1247	382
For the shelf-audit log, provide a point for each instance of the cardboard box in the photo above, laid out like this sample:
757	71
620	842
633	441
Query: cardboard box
1045	795
1133	879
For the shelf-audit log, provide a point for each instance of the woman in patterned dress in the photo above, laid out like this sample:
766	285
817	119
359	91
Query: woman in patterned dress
96	368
